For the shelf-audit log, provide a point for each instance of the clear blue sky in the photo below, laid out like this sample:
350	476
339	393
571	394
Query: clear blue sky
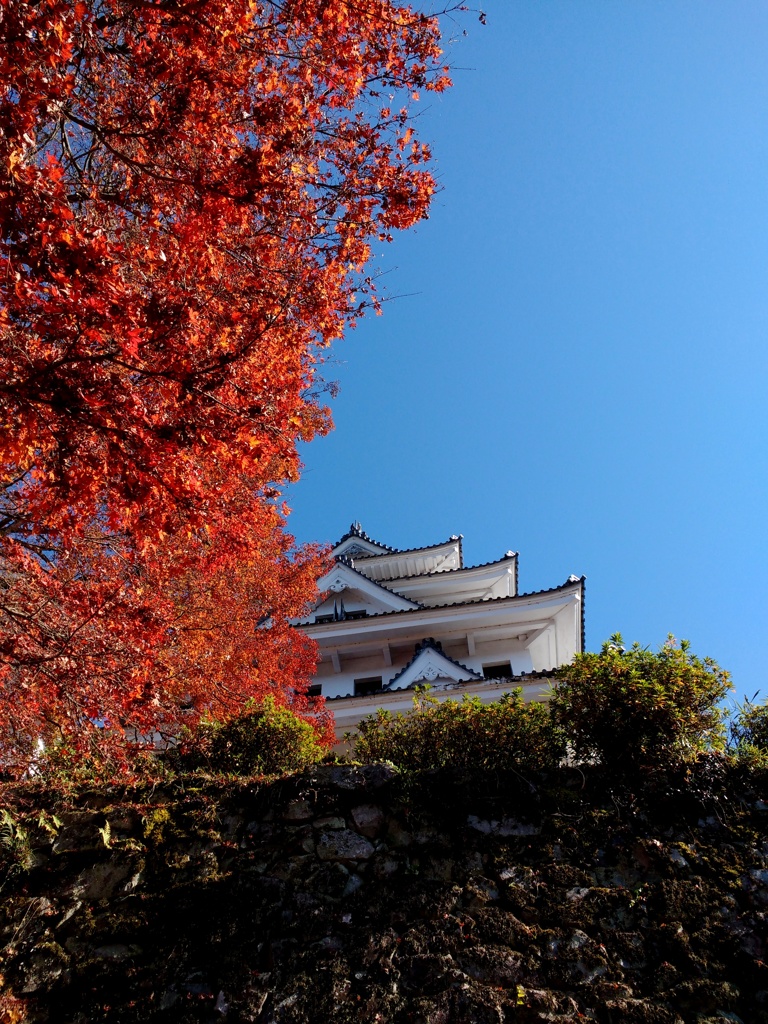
577	369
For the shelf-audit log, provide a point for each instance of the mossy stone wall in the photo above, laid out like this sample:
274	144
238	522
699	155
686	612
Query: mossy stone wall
354	894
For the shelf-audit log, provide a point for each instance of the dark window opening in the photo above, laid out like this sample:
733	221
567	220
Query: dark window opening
503	670
316	690
323	618
356	615
363	687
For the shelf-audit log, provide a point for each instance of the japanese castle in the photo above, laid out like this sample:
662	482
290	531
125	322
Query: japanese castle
388	620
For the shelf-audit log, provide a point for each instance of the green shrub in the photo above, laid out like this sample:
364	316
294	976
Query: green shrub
267	739
749	733
751	724
635	708
15	850
465	734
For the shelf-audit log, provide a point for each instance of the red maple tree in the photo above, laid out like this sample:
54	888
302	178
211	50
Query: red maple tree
189	192
99	647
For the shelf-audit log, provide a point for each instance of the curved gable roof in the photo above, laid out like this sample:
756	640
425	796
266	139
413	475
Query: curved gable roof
343	576
428	663
394	565
509	556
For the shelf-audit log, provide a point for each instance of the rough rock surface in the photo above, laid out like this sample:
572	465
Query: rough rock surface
356	895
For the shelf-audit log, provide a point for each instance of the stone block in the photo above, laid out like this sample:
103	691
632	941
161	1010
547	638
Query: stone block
80	832
332	823
343	845
368	819
298	810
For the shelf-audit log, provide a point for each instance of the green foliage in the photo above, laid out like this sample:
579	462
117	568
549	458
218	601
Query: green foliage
157	823
267	739
13	837
637	708
751	724
748	738
15	850
505	734
67	768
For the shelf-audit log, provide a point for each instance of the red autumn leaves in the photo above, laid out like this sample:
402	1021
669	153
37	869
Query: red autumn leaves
188	196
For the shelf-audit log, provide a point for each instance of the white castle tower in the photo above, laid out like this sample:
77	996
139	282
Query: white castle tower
388	620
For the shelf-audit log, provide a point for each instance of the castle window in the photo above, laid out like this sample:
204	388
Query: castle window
356	615
316	690
501	670
323	618
364	687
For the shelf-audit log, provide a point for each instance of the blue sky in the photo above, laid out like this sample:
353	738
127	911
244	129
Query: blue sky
576	365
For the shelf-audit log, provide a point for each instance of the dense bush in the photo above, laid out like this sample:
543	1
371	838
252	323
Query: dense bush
267	739
638	708
749	732
466	733
751	724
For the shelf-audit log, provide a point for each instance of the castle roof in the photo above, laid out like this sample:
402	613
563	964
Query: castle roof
382	562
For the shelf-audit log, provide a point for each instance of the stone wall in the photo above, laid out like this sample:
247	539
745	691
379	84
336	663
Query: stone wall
352	894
